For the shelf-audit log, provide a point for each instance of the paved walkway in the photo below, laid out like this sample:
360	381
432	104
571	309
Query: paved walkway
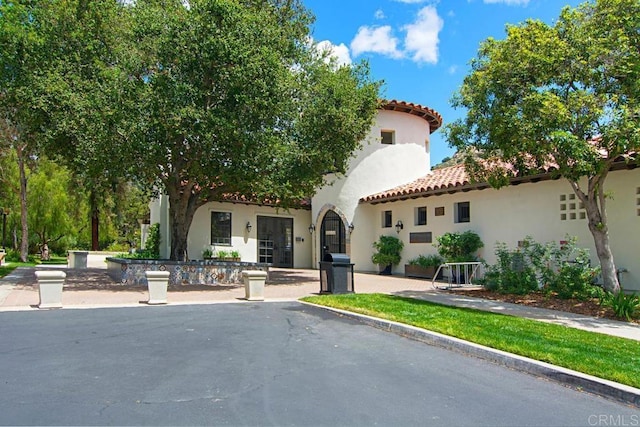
92	288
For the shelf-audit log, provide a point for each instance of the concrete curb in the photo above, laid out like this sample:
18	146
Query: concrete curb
573	379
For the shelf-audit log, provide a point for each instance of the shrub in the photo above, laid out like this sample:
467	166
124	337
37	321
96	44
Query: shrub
512	274
427	261
459	247
14	256
623	305
222	254
388	249
567	270
562	269
152	245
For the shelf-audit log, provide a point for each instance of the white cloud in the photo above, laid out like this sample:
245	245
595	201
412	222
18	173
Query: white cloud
452	69
377	40
379	14
508	2
339	52
411	1
422	38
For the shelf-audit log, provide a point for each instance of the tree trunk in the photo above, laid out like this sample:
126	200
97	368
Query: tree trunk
24	244
594	205
183	202
607	265
95	222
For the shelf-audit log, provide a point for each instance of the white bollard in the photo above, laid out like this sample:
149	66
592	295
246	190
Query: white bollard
254	284
157	282
50	288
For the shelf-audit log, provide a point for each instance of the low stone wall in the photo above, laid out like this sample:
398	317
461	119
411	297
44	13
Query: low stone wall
131	272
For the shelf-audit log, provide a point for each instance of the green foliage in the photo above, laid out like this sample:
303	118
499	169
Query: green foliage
222	254
152	246
625	306
459	247
56	211
512	274
235	254
427	260
564	95
14	256
563	270
206	99
207	253
388	250
7	269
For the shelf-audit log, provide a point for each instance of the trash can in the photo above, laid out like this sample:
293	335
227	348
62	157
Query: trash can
336	274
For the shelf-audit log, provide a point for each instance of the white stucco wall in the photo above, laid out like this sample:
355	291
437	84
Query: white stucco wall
199	237
377	167
510	214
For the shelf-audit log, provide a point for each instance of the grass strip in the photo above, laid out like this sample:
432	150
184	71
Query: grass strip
10	266
604	356
6	269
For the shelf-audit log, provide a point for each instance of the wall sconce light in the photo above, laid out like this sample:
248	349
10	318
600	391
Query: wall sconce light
312	228
351	227
399	226
248	227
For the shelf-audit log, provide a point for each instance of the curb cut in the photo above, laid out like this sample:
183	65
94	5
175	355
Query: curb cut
570	378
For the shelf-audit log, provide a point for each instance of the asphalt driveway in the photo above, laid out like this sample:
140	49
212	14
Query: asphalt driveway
260	364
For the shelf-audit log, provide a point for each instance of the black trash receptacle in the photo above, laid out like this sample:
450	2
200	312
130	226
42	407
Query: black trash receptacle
336	274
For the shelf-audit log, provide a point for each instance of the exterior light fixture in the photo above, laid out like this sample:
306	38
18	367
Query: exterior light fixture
312	228
399	226
351	227
248	227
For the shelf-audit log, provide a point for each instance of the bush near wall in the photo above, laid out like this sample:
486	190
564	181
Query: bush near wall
560	269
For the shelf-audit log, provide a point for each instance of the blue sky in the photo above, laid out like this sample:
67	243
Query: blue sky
421	48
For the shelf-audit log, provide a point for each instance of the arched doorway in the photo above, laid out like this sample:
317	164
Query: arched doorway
332	235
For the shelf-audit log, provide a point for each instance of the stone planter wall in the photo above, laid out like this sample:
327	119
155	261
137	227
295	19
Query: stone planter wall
131	272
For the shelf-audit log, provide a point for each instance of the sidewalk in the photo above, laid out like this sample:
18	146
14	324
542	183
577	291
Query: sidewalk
93	288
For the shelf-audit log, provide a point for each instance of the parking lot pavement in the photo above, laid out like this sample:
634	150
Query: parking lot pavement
281	363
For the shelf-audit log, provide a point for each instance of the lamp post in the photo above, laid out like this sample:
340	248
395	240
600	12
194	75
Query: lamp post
4	212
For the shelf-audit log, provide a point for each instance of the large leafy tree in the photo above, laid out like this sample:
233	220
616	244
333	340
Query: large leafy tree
238	103
56	207
566	96
59	89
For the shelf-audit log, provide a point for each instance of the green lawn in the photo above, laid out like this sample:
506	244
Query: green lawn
10	266
613	358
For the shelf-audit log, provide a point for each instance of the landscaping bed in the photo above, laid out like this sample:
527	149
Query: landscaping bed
589	307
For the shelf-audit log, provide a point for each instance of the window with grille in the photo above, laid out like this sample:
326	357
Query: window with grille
221	228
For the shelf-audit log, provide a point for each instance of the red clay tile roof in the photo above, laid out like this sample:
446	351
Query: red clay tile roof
431	116
454	178
449	179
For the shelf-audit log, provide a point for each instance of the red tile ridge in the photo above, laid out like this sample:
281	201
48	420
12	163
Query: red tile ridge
430	115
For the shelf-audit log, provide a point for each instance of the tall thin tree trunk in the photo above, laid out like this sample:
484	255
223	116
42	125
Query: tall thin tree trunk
24	244
95	221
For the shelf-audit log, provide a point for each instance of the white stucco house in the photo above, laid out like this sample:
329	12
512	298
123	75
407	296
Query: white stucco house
390	183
